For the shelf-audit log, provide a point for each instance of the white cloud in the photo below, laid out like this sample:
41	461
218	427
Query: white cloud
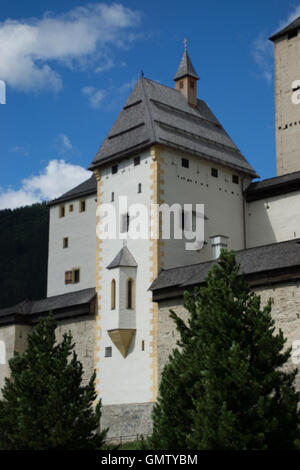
29	49
94	95
57	178
63	144
262	49
263	55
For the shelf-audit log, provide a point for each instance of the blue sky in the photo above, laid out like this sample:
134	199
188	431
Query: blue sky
70	65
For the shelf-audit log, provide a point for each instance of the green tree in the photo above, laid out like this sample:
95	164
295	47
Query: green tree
45	406
226	387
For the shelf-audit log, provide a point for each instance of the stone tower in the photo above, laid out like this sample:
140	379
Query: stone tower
287	97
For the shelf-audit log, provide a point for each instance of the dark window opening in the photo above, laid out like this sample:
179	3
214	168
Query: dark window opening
137	160
185	163
181	84
112	197
139	187
214	172
76	276
65	242
114	169
108	352
82	206
235	179
192	84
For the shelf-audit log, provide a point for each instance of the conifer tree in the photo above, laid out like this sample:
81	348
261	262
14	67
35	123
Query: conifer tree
45	405
226	387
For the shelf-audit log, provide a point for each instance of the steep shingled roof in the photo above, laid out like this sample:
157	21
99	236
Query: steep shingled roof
157	114
86	188
186	68
294	25
123	258
252	260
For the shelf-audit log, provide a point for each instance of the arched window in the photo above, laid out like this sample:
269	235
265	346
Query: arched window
130	294
113	295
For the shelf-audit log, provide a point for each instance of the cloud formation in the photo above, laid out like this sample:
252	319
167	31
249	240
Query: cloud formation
262	49
94	95
30	48
57	178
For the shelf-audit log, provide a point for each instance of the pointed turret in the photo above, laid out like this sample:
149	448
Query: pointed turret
186	79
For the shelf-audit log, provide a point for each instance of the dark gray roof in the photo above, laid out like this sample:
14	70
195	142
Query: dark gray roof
294	25
186	68
86	188
252	260
273	186
123	258
29	308
157	114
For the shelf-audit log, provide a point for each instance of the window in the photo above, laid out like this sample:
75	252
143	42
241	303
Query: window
68	277
108	351
137	160
65	242
75	275
293	34
130	294
139	187
71	208
214	172
235	179
192	84
185	163
113	295
61	211
82	206
114	169
181	84
112	197
143	345
125	220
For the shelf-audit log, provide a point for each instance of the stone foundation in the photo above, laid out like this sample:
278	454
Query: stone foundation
127	421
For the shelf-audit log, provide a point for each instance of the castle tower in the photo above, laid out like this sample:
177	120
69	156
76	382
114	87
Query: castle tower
186	79
287	97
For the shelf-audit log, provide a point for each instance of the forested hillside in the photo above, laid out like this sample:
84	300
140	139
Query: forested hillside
23	253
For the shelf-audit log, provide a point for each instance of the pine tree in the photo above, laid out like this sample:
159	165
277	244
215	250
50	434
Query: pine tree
45	406
226	387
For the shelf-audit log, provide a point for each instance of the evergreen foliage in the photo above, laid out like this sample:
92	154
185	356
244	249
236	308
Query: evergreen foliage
23	254
226	387
45	406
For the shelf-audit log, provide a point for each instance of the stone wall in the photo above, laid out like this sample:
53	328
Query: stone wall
285	311
127	421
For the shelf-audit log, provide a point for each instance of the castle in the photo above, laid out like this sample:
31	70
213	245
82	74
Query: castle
114	294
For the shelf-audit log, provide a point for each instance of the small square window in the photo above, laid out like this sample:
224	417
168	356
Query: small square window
62	211
108	351
82	206
214	172
114	169
137	160
185	163
139	187
76	275
112	197
235	179
65	242
71	208
68	277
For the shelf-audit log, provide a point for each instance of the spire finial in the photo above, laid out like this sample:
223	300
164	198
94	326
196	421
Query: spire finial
185	44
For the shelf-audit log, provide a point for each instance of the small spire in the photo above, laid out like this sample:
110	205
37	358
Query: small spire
185	67
185	45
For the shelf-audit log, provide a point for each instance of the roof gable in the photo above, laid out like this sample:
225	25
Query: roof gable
157	114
